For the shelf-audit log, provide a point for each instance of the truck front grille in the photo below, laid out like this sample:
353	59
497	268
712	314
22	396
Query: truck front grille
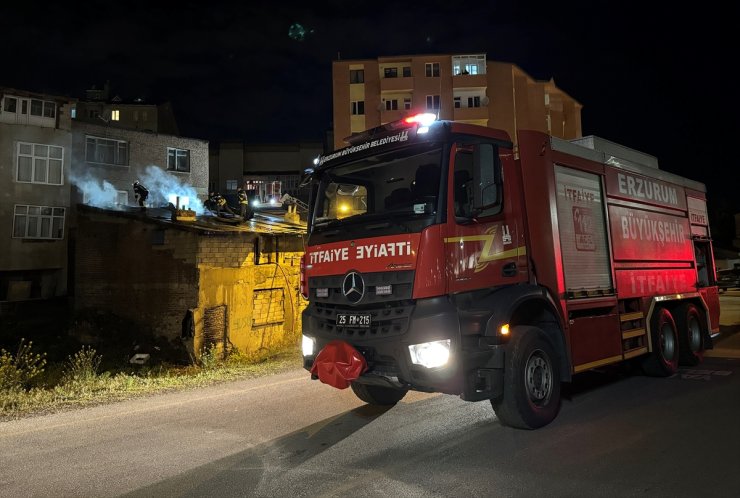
392	319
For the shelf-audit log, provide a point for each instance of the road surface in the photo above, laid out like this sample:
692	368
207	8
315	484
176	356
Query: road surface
617	435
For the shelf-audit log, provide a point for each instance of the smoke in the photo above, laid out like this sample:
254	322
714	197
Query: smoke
164	187
98	193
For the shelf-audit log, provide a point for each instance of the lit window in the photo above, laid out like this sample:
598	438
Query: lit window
39	163
73	113
38	222
115	115
178	160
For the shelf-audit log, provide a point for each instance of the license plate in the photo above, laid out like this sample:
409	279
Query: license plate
361	320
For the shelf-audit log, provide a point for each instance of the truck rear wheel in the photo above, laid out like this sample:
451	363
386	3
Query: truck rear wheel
531	396
691	331
663	361
378	395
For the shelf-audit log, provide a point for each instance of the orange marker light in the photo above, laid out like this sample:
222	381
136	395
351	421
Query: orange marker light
505	329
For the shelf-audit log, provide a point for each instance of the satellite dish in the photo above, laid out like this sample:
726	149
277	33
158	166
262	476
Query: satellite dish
485	100
381	107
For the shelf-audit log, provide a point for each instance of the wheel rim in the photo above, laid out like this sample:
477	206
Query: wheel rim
694	335
538	377
667	342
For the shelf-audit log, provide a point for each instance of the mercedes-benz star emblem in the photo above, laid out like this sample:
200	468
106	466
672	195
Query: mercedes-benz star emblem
353	287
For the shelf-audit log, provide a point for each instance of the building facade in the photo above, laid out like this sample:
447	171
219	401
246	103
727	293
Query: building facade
466	88
98	107
35	160
203	284
260	168
121	156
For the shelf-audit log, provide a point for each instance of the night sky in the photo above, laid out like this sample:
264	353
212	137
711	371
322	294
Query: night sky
657	80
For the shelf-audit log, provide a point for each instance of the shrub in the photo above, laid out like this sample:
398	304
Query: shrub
82	366
17	371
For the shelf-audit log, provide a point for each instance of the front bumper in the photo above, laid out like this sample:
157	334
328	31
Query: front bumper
474	371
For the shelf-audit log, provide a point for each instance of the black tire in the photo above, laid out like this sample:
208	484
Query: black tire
691	328
663	361
378	395
531	396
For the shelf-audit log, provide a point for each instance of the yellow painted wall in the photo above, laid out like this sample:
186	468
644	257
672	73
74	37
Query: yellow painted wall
263	302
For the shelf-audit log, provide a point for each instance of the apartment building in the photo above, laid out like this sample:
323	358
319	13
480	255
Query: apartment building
466	88
99	107
35	159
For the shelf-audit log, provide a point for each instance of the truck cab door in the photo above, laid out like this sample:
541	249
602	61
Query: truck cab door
484	247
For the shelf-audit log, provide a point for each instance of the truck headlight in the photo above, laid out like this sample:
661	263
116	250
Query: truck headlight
307	345
430	354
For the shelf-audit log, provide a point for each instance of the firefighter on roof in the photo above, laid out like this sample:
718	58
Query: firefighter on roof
140	193
246	210
218	203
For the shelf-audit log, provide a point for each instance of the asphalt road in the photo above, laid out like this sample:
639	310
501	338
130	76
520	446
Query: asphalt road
618	434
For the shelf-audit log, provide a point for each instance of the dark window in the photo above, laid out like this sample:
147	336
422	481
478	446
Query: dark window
390	72
356	75
358	107
407	103
431	69
406	71
37	107
106	151
10	104
474	101
49	109
391	105
178	160
432	101
456	100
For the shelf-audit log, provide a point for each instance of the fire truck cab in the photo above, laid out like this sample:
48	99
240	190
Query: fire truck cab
441	259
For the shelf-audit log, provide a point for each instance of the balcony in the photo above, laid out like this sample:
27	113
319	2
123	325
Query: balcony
397	84
469	80
469	113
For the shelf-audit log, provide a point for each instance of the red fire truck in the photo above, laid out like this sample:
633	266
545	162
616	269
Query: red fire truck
441	258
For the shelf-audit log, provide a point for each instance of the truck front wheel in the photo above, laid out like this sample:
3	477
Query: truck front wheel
378	395
531	397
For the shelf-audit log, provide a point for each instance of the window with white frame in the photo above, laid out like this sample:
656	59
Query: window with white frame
106	151
178	160
38	222
39	163
391	105
431	69
390	72
10	104
407	103
457	102
469	64
432	102
358	107
43	108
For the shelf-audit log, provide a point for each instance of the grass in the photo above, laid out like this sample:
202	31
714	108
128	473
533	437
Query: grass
77	383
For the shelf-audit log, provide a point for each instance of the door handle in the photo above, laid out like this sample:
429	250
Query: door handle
509	270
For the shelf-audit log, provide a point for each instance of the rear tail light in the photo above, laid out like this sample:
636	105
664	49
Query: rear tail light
303	279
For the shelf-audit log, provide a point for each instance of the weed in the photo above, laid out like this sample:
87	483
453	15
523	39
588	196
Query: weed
17	371
82	366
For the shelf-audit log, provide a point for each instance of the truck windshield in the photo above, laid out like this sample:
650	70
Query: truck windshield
402	182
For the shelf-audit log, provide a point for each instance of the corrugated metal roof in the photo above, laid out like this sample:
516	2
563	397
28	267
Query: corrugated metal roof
262	223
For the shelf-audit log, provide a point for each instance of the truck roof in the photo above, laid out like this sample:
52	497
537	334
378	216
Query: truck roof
606	152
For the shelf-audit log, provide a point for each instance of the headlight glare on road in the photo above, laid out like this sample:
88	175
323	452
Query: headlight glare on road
307	345
430	354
